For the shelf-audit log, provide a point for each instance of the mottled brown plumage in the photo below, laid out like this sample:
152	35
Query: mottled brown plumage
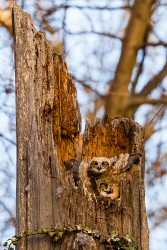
102	175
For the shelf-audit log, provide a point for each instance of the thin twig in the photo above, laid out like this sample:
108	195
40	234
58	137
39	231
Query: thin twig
7	139
160	110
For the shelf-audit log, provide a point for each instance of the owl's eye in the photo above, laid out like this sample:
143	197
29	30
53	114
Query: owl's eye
103	186
104	163
106	188
95	163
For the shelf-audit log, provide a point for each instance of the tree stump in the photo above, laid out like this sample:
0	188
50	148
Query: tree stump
48	134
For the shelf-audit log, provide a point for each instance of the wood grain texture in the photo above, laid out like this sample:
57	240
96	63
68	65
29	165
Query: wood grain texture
48	126
111	138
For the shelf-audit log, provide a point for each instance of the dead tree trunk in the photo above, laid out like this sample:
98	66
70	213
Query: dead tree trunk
48	126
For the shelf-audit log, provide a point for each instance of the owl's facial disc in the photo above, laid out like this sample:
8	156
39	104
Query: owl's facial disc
104	187
109	190
99	165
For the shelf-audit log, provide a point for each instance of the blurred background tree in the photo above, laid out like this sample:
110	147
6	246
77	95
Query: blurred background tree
116	53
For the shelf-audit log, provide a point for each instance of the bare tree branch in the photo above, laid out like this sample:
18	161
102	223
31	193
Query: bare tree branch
154	44
139	71
161	214
86	86
137	100
136	35
6	19
93	32
66	6
162	109
7	139
154	82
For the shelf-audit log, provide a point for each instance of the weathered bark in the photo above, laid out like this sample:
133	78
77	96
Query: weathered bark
48	126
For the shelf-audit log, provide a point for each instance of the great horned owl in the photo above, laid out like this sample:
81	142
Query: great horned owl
102	175
108	185
110	190
97	166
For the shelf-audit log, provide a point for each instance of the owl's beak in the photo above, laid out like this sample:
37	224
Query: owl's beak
99	167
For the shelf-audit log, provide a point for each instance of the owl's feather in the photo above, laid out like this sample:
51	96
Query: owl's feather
124	162
72	166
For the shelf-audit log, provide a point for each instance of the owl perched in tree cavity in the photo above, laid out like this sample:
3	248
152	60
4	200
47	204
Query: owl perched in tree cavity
101	176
